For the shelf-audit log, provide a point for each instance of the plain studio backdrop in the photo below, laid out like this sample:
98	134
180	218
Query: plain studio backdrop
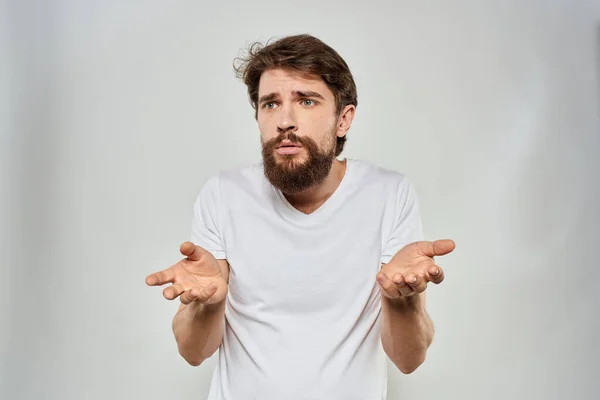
115	113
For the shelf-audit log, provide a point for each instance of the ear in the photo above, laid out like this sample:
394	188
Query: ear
345	120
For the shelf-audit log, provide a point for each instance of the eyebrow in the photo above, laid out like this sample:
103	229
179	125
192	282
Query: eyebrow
296	93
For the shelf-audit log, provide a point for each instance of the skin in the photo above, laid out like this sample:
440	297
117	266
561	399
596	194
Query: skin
407	330
305	107
282	108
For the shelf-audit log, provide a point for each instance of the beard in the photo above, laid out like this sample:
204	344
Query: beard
290	175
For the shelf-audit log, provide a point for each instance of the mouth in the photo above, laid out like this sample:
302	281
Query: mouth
287	147
287	144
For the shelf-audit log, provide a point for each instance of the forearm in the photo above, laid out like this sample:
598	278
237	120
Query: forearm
406	333
198	331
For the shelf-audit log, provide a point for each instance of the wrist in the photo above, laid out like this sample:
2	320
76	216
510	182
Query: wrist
410	303
208	309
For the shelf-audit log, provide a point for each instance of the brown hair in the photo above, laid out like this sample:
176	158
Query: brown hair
306	55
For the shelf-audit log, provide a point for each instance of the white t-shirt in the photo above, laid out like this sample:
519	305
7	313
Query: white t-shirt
303	312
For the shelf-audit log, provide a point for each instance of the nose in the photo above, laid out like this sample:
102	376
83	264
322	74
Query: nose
287	120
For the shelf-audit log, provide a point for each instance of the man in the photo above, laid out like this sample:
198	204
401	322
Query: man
304	270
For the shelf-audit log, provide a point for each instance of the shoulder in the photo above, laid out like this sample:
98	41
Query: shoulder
227	183
370	174
390	187
244	174
234	176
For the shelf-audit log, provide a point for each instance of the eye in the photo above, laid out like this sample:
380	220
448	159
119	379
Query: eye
308	102
270	105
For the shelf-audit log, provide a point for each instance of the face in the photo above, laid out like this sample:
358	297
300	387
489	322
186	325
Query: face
299	126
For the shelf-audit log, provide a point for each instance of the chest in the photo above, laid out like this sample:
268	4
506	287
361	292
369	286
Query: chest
303	267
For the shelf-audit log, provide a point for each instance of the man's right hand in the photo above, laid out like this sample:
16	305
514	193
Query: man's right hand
196	278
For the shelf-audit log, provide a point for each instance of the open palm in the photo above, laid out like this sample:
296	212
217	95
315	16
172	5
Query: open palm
198	277
411	268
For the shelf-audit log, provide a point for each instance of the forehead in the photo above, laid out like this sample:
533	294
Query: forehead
285	82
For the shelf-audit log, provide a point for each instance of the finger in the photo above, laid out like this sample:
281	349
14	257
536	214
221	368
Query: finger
174	290
402	286
161	277
387	285
189	296
416	282
437	248
192	251
199	295
436	274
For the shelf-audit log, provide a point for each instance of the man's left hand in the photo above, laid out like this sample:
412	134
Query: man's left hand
409	271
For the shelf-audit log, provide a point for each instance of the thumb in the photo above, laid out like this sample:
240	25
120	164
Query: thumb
192	251
437	248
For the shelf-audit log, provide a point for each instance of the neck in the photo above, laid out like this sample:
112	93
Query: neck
311	199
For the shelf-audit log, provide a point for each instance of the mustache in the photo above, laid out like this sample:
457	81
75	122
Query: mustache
291	136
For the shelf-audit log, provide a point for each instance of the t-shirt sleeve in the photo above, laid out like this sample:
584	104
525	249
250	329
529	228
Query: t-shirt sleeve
407	226
206	230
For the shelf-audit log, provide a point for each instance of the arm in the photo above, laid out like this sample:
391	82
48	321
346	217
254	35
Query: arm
198	328
407	331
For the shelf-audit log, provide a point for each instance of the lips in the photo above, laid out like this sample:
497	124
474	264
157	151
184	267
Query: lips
287	147
288	150
288	143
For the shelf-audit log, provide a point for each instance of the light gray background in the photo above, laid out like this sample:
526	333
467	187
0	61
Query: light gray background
114	114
